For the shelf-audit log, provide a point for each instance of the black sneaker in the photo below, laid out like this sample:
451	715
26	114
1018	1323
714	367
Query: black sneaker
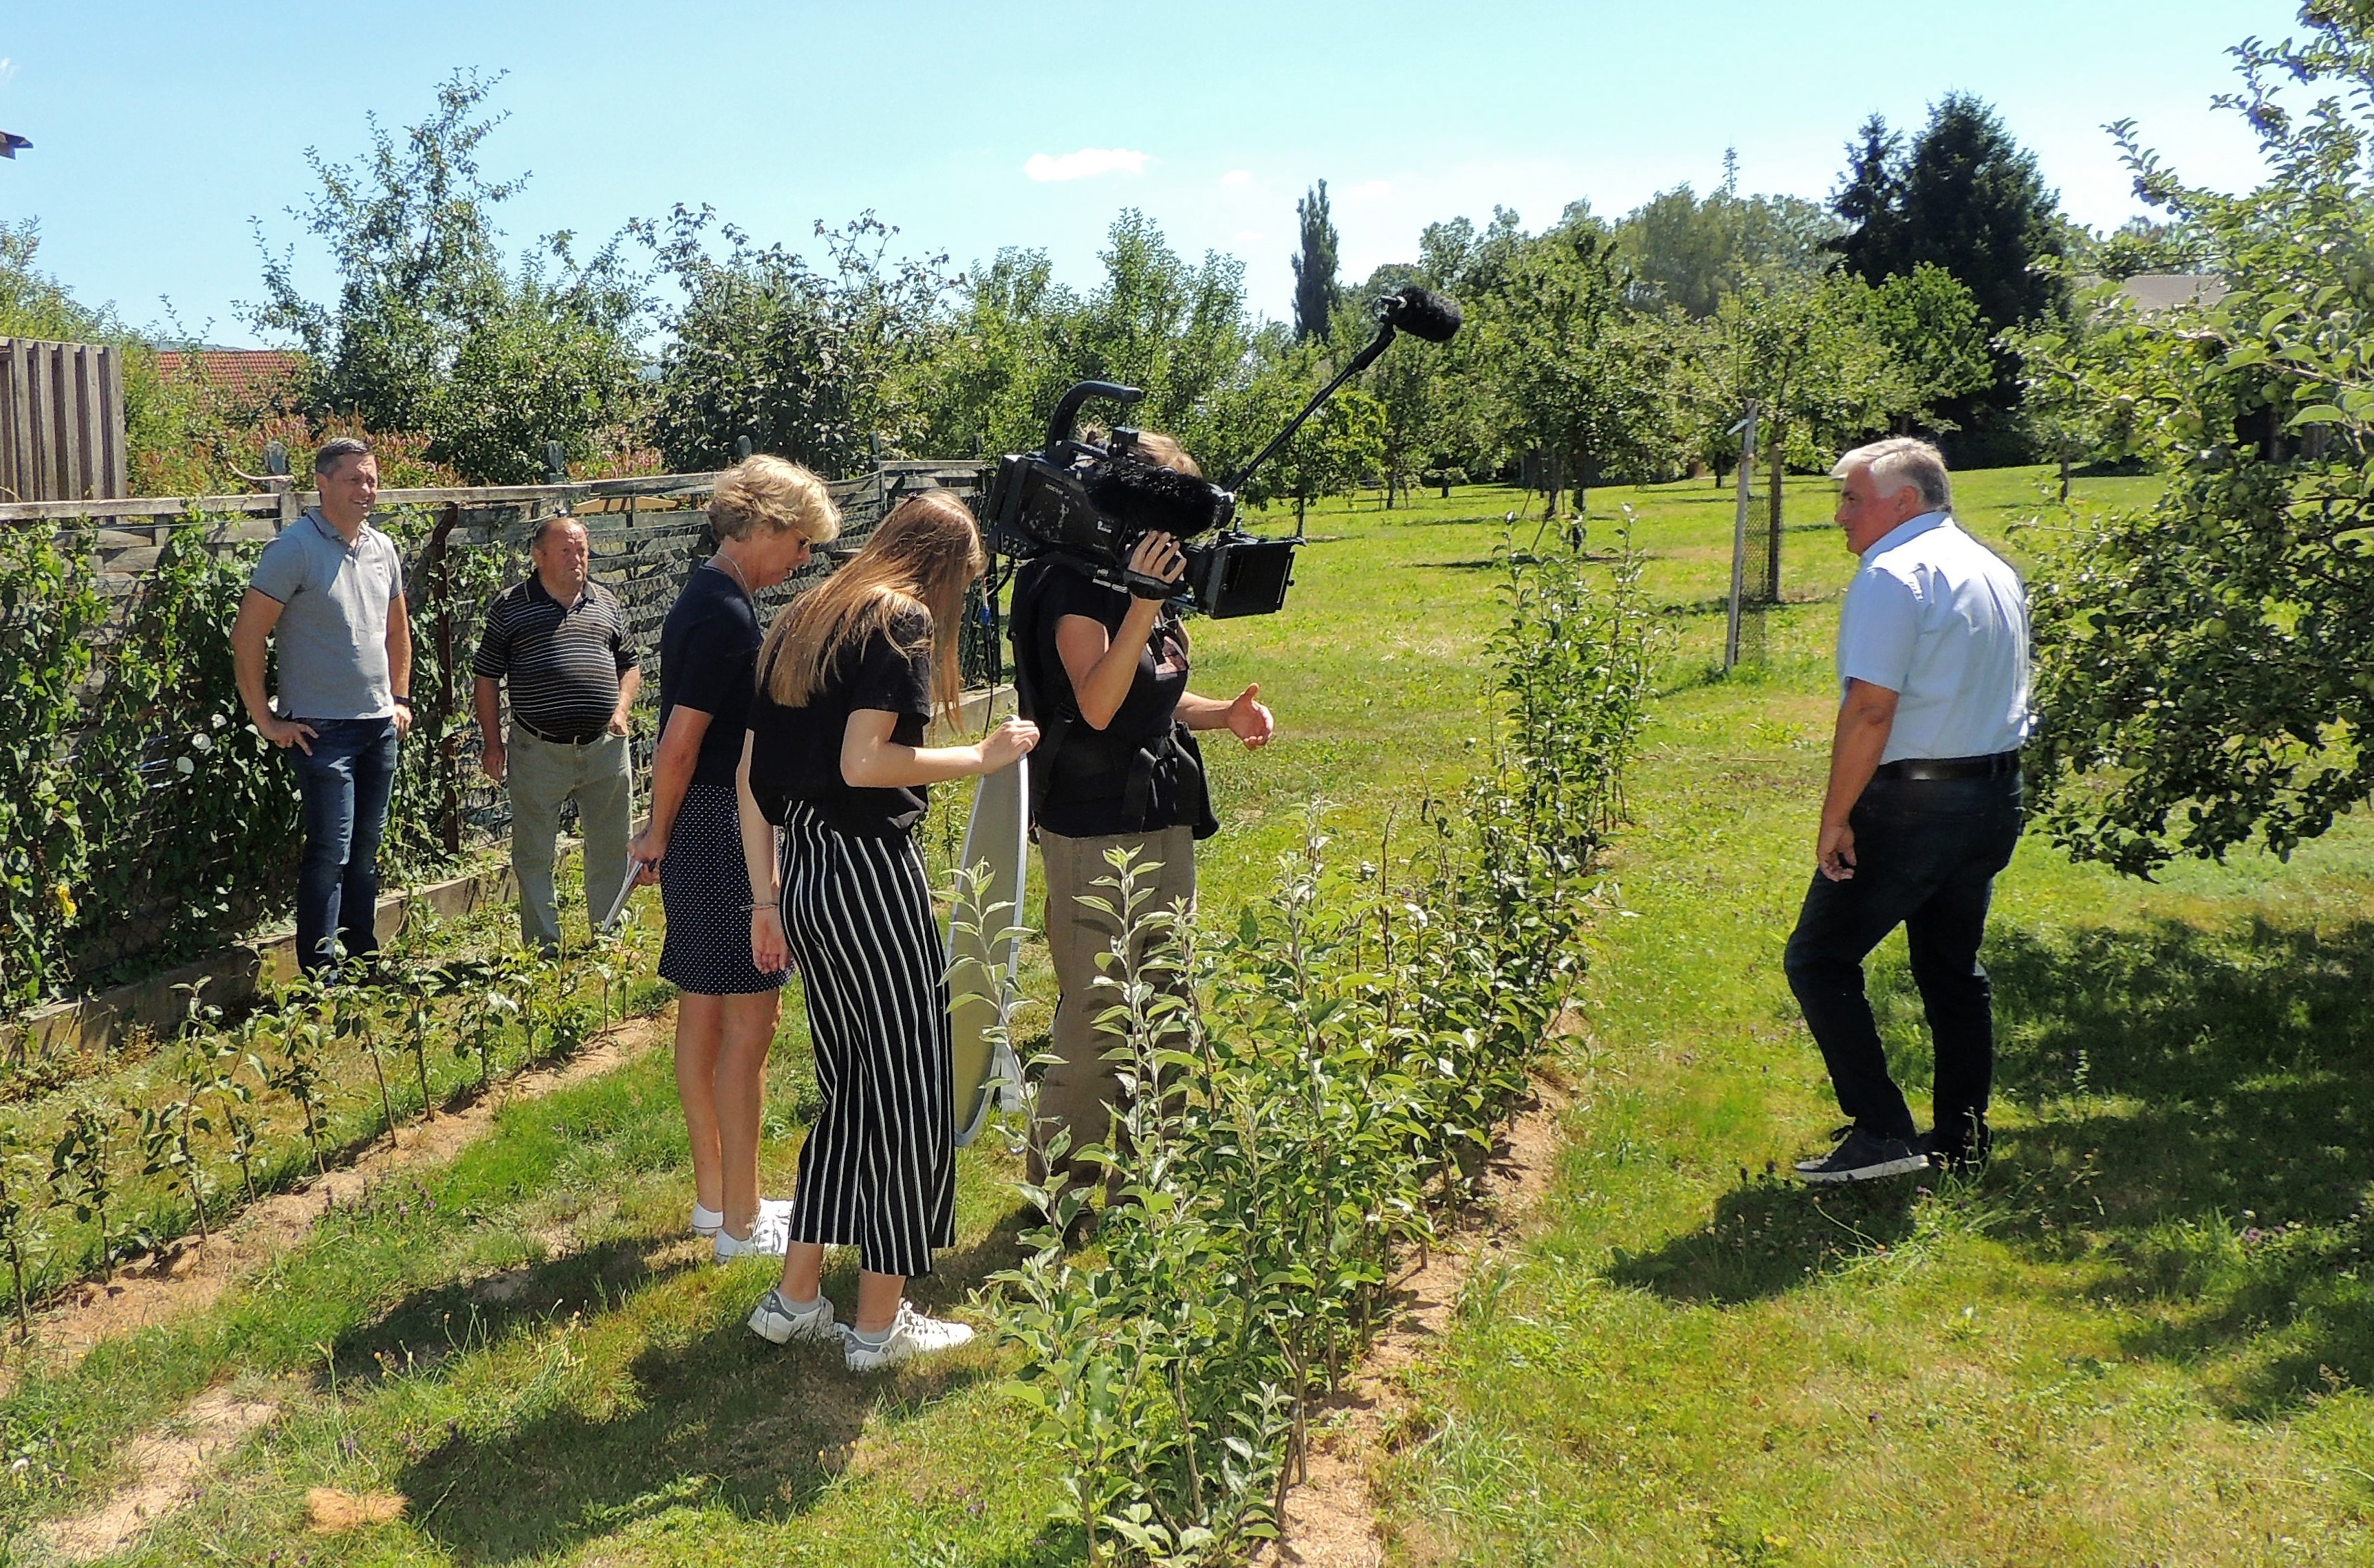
1863	1157
1964	1155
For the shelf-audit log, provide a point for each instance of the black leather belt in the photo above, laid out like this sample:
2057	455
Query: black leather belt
1922	770
518	723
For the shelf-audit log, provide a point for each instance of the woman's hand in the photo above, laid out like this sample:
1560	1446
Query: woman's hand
1250	721
1157	556
643	855
769	950
1006	743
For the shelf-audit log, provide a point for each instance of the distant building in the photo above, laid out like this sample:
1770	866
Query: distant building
248	375
2152	292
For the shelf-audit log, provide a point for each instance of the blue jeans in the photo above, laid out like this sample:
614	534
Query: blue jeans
345	785
1926	855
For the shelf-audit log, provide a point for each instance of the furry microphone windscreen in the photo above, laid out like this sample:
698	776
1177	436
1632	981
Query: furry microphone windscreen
1421	313
1144	497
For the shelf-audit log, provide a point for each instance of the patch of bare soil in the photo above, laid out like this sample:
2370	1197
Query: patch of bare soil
1330	1520
166	1467
332	1512
186	1278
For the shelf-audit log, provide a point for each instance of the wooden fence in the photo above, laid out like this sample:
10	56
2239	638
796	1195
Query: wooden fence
61	421
461	546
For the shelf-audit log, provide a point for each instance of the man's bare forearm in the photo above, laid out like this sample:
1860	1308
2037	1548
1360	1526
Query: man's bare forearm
1865	720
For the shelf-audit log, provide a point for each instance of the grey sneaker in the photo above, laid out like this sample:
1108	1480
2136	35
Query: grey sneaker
912	1334
1863	1157
778	1322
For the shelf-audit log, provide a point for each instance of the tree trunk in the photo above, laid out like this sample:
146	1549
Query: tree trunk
1772	547
1556	483
2065	472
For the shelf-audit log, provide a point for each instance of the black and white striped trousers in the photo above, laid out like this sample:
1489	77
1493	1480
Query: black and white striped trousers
879	1169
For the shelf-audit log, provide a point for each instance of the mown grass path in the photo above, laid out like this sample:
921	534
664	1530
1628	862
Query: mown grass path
2143	1337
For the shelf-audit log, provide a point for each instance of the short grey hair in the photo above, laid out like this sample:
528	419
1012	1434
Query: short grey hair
1902	461
544	525
327	456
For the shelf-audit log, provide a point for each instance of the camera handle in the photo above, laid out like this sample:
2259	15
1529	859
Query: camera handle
1059	427
1360	362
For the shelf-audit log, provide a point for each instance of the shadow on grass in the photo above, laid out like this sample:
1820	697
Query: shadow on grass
2197	1108
1771	1234
2202	1100
720	1420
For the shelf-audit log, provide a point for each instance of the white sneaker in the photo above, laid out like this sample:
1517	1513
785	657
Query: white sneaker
708	1221
912	1334
778	1322
768	1238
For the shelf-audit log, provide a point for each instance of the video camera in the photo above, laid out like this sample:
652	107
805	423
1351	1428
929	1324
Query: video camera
1092	504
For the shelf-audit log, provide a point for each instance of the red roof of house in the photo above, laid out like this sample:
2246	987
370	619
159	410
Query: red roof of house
239	371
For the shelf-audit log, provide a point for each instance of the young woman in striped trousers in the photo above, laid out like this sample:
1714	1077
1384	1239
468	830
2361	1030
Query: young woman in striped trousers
851	673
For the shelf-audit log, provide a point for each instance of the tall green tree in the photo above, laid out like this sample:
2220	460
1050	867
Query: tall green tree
1578	378
1316	292
1963	195
1692	253
2205	665
432	330
809	363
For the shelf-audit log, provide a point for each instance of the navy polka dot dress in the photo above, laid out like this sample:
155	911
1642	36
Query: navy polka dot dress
705	888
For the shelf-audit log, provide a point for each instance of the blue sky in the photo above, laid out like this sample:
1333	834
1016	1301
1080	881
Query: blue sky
162	130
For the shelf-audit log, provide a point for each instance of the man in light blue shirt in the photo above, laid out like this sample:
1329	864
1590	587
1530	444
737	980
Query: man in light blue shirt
329	590
1922	809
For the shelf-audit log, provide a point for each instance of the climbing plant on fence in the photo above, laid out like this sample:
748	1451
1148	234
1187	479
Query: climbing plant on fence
48	610
140	812
1356	1042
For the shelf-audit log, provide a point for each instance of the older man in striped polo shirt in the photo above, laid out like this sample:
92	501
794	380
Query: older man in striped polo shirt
560	640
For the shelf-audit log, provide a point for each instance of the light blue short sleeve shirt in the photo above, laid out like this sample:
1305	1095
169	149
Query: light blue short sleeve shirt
1941	620
332	635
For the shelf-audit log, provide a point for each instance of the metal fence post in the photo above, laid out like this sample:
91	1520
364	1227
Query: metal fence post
447	733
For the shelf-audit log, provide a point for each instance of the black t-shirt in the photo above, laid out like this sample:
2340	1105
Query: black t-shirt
795	752
1085	791
708	648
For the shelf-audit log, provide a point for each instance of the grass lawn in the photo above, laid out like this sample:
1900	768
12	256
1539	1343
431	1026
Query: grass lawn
2094	1355
522	1345
2143	1337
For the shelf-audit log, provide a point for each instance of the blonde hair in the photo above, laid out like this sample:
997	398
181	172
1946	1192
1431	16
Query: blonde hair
771	493
1903	463
922	557
1152	446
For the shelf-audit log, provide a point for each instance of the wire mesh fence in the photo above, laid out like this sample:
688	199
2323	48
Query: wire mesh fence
176	826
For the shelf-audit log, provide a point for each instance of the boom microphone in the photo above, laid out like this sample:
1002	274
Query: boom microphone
1423	313
1148	498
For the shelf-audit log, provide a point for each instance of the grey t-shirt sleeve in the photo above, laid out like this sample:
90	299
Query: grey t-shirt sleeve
280	569
395	570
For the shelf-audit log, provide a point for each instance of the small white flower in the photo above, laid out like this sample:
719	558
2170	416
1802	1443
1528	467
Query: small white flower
184	767
203	742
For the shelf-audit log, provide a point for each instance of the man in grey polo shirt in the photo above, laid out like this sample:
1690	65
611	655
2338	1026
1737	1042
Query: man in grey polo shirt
560	640
1922	809
329	590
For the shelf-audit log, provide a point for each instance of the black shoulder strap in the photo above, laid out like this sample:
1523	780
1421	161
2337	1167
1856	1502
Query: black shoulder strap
1029	686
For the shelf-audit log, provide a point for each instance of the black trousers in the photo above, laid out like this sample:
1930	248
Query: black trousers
1926	855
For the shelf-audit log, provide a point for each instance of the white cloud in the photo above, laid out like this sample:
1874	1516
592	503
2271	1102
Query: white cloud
1372	188
1088	162
1247	236
7	69
1233	177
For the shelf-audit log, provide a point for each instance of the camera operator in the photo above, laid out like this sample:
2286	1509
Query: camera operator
1105	677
